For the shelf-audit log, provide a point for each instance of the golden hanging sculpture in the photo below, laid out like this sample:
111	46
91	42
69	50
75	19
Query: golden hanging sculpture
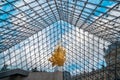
58	57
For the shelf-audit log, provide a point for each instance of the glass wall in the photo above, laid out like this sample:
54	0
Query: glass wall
84	51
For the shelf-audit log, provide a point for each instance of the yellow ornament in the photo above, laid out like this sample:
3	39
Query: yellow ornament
58	57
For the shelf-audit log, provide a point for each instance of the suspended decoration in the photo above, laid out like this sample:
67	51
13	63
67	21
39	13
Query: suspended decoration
58	57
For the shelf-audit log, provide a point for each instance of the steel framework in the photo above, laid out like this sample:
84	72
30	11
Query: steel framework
86	29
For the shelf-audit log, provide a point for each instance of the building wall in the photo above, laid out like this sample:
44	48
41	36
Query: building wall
113	57
38	76
44	76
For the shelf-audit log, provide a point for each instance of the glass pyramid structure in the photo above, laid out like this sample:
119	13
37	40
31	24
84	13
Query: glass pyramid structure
89	30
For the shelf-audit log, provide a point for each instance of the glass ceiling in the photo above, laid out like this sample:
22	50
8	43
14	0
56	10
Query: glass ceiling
20	19
31	29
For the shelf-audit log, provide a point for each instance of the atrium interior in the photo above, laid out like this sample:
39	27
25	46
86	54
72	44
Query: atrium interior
59	39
